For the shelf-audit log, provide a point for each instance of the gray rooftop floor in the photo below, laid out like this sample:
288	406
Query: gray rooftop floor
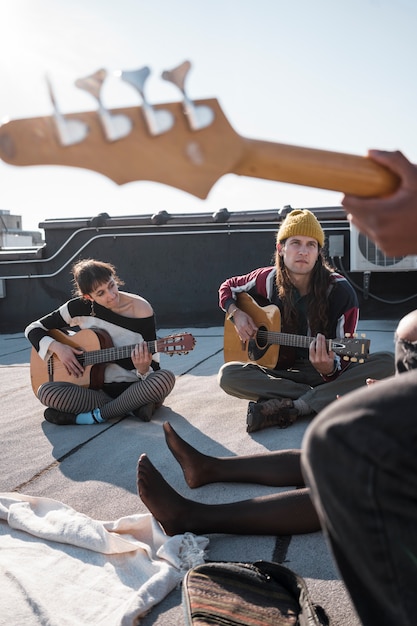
93	468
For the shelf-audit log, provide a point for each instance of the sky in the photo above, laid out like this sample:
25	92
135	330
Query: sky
337	75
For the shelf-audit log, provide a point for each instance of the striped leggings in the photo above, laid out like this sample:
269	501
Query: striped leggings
71	398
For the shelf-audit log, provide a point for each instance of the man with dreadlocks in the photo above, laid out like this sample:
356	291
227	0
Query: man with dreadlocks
314	301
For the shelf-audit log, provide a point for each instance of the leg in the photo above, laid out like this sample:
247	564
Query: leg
271	392
360	460
71	398
277	469
154	389
378	366
71	404
281	514
252	382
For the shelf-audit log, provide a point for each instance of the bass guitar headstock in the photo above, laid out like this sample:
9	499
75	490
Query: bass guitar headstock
188	144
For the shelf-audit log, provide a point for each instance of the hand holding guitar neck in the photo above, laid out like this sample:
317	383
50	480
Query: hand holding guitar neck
188	145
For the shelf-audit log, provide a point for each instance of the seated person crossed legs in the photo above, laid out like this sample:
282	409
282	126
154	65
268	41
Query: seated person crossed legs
314	300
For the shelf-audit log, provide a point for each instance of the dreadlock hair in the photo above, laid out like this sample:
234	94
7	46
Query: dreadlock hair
89	274
317	298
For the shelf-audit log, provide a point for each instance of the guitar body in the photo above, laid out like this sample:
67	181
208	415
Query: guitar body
52	370
266	318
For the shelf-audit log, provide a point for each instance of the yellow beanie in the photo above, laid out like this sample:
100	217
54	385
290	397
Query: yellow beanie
301	222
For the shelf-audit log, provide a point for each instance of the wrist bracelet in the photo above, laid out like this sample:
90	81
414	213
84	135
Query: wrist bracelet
333	372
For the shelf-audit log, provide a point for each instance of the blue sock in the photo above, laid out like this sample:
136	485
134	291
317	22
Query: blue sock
91	417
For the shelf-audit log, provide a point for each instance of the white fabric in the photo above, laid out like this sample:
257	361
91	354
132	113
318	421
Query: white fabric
60	567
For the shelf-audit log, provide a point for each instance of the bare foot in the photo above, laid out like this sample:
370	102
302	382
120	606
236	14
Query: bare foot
195	465
168	507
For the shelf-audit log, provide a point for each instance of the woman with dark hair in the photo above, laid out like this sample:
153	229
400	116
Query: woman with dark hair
314	301
133	383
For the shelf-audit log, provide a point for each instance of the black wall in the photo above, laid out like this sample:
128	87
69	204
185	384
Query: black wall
177	267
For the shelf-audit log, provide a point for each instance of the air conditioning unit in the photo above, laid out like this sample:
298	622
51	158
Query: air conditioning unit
366	256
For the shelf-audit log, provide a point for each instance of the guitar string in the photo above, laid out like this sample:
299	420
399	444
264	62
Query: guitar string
172	345
288	339
301	341
114	353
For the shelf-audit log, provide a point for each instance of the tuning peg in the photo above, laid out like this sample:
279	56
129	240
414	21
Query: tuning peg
115	126
198	116
70	130
158	121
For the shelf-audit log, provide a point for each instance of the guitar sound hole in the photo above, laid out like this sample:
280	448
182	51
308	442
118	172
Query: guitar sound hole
261	336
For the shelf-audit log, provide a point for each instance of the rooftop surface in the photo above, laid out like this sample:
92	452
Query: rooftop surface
93	468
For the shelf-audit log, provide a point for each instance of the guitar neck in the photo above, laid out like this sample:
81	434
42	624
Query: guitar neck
108	355
286	339
315	168
167	159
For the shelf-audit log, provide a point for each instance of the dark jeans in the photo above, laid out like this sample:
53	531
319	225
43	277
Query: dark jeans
360	459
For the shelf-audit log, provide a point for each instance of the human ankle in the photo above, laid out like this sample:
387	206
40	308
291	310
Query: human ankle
90	417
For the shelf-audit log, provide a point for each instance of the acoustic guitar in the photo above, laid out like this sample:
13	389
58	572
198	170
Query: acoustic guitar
188	145
264	347
98	351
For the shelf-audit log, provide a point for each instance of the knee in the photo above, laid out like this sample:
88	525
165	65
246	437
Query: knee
221	375
407	327
316	445
43	392
328	450
226	375
169	379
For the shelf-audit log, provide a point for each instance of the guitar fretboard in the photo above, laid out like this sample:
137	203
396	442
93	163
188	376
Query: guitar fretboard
108	355
286	339
347	347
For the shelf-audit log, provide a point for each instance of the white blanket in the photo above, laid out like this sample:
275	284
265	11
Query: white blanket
62	568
